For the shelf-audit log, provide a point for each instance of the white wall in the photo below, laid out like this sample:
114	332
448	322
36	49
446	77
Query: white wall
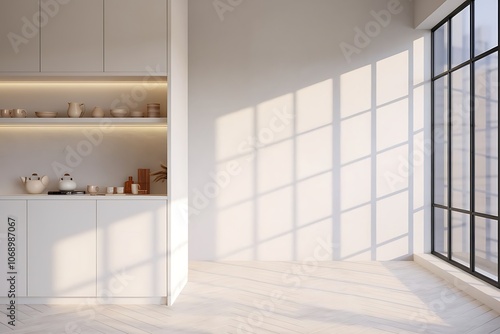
298	149
93	155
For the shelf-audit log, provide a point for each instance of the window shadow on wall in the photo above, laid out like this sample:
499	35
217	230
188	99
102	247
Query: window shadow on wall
345	160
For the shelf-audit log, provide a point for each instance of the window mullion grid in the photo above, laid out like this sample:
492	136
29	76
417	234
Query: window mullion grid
449	216
448	206
498	170
472	217
433	146
433	97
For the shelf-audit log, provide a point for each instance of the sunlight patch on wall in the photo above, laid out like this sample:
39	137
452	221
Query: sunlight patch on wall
418	108
231	130
392	171
314	106
314	153
392	217
276	248
275	234
314	199
392	78
235	226
229	189
310	238
277	115
418	61
355	187
355	91
392	124
355	138
356	225
418	161
392	227
275	166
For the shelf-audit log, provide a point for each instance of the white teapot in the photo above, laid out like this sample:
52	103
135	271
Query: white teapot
35	184
66	183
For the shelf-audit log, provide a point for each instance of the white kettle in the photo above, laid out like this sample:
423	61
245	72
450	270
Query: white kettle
66	183
35	184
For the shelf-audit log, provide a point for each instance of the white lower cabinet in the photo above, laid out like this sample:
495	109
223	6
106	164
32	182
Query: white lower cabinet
109	249
13	248
131	248
61	248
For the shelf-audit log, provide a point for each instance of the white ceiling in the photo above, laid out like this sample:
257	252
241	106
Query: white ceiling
428	13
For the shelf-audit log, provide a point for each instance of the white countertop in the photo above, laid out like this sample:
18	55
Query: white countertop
82	197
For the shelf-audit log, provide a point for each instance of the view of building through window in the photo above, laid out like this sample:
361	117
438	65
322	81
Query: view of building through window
465	139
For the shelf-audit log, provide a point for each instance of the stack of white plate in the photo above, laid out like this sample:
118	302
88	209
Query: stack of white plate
153	114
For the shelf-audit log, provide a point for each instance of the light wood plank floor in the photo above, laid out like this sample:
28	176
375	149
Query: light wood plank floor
282	297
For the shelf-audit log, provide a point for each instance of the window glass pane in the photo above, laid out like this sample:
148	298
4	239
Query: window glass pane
486	135
441	49
460	138
441	231
486	247
485	25
460	238
460	37
441	141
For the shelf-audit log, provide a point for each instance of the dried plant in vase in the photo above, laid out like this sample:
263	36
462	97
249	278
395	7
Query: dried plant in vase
160	175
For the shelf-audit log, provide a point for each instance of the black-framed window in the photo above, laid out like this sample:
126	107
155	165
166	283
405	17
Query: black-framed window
465	142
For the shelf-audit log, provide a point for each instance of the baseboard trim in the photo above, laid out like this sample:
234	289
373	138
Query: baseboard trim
469	284
86	300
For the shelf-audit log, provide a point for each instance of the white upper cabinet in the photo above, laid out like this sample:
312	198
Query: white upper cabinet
135	36
72	39
121	37
20	36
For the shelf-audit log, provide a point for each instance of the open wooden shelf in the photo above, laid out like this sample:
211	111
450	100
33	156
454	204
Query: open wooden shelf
62	121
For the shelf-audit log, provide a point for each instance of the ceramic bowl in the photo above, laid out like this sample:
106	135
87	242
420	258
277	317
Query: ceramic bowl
119	112
136	114
46	114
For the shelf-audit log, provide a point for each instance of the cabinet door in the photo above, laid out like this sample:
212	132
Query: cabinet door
20	37
131	248
61	248
72	40
135	36
13	248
